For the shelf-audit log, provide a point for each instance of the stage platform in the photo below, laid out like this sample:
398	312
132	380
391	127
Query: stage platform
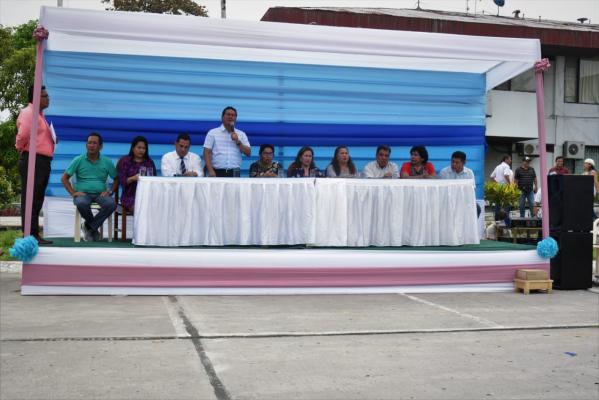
120	268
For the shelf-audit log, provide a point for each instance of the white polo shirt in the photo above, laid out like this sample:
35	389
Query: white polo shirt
225	153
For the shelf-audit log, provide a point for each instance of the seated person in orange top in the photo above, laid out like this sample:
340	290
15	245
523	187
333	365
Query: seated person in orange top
418	167
131	166
303	166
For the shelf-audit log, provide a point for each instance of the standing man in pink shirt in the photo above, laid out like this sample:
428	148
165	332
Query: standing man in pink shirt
43	159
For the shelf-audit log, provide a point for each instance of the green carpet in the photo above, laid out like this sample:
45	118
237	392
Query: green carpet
485	245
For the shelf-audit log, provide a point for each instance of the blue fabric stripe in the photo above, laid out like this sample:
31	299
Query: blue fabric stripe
141	87
278	133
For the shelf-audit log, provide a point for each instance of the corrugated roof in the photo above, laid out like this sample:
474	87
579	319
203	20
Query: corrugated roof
462	17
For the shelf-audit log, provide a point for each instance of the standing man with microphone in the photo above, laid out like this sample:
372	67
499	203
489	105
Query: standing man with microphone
224	145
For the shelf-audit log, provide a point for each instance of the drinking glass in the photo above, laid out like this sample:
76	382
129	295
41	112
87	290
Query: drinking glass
142	171
281	173
150	171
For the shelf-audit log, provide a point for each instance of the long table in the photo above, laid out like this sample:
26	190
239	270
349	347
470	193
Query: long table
319	212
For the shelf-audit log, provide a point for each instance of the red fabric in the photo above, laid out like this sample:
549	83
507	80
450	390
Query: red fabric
405	168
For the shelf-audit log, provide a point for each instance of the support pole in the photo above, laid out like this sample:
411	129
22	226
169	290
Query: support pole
40	34
541	66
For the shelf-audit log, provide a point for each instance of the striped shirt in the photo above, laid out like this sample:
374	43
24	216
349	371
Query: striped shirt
525	178
225	153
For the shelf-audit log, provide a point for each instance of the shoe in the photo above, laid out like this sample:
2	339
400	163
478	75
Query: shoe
96	236
41	241
87	233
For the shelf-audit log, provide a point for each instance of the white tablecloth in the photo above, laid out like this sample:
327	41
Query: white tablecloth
381	212
323	212
224	211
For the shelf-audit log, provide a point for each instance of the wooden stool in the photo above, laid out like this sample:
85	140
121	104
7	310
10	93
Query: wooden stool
532	279
528	285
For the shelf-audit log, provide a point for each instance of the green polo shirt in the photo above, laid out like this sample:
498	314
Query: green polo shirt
91	177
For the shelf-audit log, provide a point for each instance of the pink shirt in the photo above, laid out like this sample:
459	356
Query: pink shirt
45	144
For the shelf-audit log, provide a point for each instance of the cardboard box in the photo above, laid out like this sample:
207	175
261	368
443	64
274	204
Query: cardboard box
532	274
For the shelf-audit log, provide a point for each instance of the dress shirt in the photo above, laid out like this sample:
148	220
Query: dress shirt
45	143
170	164
225	153
501	171
373	170
448	173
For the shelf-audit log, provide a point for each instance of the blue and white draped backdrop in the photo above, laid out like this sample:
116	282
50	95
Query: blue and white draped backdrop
331	86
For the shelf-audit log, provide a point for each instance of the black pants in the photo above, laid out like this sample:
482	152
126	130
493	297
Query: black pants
41	178
228	173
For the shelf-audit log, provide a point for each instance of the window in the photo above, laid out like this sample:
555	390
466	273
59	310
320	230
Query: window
581	80
525	82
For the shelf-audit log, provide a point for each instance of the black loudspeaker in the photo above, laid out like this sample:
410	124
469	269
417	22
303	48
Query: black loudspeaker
570	202
572	267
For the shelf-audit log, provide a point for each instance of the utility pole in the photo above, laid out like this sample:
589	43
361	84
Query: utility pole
223	9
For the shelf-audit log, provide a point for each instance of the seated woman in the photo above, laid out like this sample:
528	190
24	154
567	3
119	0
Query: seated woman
131	166
342	166
418	167
265	167
303	166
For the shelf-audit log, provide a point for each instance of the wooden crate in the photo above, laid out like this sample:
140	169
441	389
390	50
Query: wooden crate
532	274
527	285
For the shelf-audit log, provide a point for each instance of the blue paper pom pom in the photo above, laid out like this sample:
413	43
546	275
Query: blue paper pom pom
547	248
24	249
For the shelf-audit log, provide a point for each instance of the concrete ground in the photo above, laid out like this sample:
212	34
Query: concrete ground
424	346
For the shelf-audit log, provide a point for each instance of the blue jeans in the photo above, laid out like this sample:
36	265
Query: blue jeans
530	197
83	204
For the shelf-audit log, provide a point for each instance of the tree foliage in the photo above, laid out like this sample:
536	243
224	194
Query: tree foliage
175	7
17	66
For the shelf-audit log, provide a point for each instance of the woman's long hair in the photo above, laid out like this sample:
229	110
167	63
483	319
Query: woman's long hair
297	163
335	162
134	143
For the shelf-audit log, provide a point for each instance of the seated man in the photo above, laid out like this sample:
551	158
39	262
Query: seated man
458	170
91	171
181	161
265	167
381	167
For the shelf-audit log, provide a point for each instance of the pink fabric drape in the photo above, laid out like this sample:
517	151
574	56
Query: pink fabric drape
541	66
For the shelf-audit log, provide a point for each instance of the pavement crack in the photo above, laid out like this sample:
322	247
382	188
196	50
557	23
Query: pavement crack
219	388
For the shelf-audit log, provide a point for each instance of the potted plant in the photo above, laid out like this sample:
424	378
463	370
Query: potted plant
502	196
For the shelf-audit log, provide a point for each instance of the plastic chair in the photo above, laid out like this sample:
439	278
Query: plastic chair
77	234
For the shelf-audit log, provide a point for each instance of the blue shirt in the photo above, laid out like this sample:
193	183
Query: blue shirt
448	173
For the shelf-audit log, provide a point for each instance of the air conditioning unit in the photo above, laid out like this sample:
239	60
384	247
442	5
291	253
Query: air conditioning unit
574	150
528	149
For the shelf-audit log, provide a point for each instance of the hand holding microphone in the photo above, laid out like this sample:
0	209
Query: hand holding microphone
234	136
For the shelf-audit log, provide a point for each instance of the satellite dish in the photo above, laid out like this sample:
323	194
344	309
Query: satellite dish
499	3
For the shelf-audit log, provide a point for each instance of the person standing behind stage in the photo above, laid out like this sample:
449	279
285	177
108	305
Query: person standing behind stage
559	168
224	146
342	166
526	180
129	168
381	167
181	162
418	167
43	159
503	174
